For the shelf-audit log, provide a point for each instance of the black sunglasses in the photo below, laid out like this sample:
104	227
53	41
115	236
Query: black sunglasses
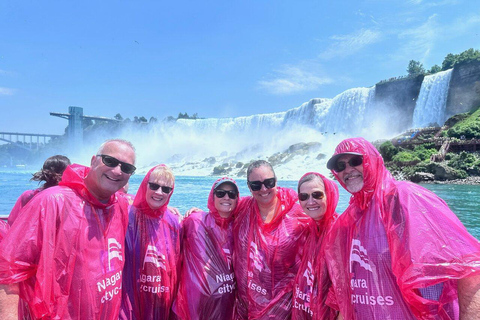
315	195
112	162
257	185
155	187
221	193
353	162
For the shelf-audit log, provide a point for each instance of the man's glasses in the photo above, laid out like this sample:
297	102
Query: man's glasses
318	195
353	162
221	193
112	162
257	185
155	187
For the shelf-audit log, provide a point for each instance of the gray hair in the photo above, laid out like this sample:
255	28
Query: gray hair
121	141
308	177
257	164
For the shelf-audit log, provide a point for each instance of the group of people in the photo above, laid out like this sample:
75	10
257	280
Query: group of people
80	250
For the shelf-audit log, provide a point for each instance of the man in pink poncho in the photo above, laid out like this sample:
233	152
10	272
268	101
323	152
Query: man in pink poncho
269	234
152	250
207	285
65	249
397	252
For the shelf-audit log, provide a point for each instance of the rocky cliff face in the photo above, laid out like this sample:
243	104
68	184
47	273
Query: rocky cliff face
464	91
399	96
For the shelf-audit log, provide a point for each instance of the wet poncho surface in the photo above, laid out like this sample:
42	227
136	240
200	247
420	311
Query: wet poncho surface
312	281
207	286
20	203
152	247
397	251
267	257
66	252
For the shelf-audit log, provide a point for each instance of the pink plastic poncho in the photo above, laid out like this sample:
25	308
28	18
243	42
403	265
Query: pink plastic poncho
207	285
66	252
20	203
267	257
152	256
312	281
397	250
3	229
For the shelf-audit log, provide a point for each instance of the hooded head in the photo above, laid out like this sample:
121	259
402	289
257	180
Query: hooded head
322	209
371	171
223	208
155	191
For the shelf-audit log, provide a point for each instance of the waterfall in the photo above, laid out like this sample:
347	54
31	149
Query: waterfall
432	100
195	147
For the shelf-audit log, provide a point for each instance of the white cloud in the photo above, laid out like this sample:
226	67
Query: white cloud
419	40
6	91
293	79
464	25
346	45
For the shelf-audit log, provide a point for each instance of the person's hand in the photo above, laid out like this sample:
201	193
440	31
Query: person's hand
192	210
175	211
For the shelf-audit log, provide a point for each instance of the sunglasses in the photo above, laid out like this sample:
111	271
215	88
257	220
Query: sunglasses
221	193
112	162
257	185
318	195
353	162
155	187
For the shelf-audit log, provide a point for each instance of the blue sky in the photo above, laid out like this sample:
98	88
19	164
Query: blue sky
214	58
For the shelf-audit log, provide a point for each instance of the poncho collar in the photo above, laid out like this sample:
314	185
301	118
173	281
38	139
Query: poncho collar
140	201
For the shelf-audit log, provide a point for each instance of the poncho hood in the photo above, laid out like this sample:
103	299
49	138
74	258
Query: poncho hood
223	222
331	191
374	171
140	201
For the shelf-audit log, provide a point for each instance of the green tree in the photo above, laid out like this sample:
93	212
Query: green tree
153	120
449	61
415	68
434	69
119	117
469	55
388	150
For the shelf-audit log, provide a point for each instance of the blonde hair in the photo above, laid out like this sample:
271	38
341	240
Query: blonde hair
163	172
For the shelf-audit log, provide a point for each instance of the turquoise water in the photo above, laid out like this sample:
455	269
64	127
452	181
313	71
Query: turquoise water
193	192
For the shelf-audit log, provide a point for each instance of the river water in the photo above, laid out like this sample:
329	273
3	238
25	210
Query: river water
464	200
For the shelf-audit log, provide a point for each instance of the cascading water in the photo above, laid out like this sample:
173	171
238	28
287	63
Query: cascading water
432	100
202	146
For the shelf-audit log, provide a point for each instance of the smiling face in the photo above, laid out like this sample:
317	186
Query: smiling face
225	205
103	181
263	196
157	198
352	177
315	208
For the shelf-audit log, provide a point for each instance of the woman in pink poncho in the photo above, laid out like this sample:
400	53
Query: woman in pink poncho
207	282
318	197
397	252
152	250
51	173
269	233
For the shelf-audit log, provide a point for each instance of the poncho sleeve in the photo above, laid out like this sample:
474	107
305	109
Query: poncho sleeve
429	245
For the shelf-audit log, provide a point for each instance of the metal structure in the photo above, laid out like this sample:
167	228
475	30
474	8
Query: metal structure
26	140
